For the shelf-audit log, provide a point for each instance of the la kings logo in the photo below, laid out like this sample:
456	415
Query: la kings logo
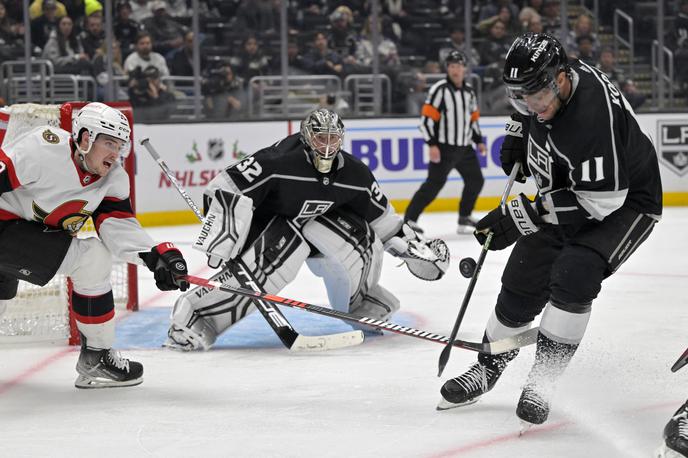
311	209
673	145
540	164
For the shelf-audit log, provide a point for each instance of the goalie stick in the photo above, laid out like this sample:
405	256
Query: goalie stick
500	346
444	356
277	321
682	361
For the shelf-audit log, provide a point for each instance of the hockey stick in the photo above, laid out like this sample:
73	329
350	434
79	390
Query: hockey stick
682	361
500	346
284	330
444	356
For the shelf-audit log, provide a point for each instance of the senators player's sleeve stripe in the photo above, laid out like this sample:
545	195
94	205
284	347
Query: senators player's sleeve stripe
112	207
8	175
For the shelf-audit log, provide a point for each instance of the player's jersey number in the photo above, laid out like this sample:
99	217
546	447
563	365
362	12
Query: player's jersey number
250	169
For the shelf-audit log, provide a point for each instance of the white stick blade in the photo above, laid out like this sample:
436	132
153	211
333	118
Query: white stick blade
328	342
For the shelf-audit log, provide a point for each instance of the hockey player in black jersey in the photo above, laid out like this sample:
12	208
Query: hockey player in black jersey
301	199
599	197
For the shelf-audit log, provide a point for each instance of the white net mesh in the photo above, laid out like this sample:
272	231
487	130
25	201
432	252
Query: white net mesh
42	313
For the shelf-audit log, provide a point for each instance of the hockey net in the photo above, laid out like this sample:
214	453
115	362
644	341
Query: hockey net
40	314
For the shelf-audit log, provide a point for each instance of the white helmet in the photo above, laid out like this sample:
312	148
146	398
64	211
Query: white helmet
323	132
98	118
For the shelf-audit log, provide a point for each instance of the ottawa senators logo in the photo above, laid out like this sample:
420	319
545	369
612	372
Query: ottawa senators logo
50	137
69	216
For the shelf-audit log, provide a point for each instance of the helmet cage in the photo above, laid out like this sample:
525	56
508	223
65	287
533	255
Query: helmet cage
97	118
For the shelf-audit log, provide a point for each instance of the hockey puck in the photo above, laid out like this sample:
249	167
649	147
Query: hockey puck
467	267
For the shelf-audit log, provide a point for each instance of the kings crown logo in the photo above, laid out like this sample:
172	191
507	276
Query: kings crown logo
673	145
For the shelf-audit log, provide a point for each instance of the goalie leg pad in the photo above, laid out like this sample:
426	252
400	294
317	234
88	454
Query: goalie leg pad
202	314
377	303
349	258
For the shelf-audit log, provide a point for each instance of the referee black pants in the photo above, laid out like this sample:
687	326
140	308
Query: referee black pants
465	161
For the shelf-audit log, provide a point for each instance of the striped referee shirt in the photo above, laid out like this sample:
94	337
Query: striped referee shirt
450	115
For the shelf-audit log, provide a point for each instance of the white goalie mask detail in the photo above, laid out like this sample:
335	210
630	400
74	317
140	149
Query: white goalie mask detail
323	133
98	118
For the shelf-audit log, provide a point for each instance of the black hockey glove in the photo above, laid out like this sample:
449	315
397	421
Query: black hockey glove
519	218
168	266
513	149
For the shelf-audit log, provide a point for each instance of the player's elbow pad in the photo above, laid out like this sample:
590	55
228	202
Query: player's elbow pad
225	227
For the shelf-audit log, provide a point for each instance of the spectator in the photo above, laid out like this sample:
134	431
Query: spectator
224	95
607	65
582	27
494	48
36	9
551	19
296	65
387	50
148	96
177	9
534	25
399	18
43	25
144	57
65	51
456	42
100	65
140	10
321	60
532	8
335	103
417	93
125	28
503	15
93	35
251	61
263	15
680	38
166	33
180	62
11	36
432	67
493	9
586	51
93	8
632	94
342	38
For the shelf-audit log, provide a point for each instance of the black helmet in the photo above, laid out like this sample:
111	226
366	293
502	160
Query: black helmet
533	63
455	57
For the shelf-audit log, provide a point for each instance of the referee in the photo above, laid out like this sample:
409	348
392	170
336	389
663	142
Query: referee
449	123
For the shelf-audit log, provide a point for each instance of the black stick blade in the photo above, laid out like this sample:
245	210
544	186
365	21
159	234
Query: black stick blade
444	358
682	361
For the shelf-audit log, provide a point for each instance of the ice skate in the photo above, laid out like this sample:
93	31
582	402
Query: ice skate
467	388
466	225
106	369
675	436
414	225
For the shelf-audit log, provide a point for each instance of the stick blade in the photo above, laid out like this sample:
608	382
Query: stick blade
682	361
444	358
327	342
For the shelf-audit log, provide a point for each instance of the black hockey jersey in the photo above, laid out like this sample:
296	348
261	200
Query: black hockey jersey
593	157
281	180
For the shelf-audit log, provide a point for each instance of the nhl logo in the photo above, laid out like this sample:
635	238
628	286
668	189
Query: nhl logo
673	145
216	149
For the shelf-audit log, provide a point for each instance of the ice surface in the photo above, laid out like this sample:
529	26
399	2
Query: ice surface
249	397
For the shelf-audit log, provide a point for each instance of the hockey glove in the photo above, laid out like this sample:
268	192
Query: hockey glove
426	259
513	149
520	217
225	227
168	267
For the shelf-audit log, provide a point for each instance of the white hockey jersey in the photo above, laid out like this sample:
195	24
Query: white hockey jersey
40	180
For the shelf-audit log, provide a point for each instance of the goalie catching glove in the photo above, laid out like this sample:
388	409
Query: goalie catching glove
168	267
519	217
426	259
225	227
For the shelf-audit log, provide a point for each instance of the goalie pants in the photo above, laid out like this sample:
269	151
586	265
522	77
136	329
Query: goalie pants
31	252
565	267
464	160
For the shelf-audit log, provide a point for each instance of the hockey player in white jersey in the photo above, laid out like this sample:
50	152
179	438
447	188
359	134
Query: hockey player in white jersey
300	200
51	182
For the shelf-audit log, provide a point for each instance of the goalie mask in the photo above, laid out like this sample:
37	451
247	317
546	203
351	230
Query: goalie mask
530	72
323	134
97	118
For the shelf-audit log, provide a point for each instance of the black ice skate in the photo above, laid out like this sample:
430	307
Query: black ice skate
106	369
467	388
466	225
533	407
676	435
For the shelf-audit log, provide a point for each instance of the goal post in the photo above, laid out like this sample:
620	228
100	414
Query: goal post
39	314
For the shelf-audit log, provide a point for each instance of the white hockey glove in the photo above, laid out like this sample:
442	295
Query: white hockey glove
426	259
225	227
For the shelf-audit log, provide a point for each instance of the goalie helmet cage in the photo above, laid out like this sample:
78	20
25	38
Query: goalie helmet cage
45	313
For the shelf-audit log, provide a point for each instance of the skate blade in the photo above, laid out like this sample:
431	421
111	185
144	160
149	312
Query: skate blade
446	405
465	230
83	382
524	427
